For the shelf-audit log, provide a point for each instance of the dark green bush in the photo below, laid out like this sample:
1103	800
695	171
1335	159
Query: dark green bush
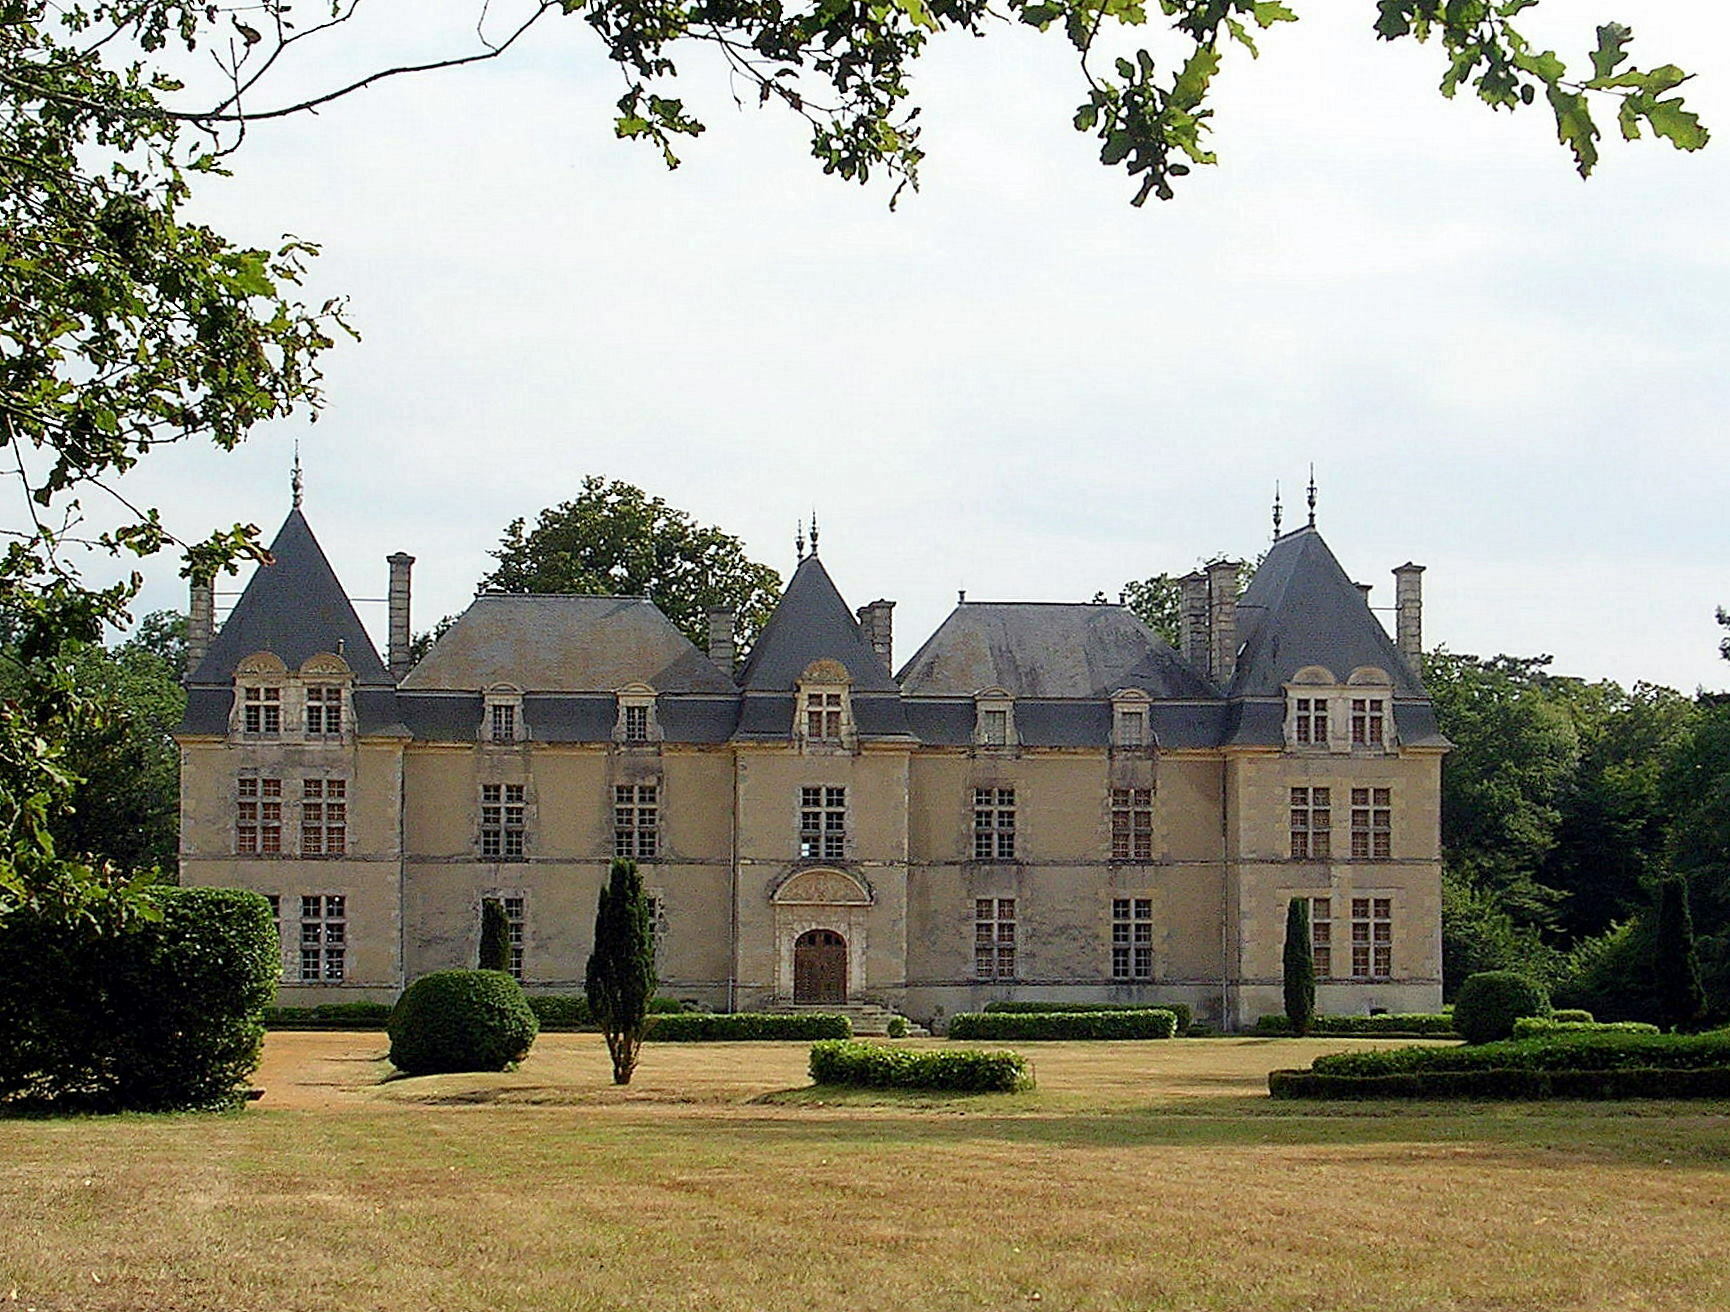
1531	1027
896	1028
1151	1023
329	1016
1398	1025
166	1015
879	1066
1491	1001
1583	1050
461	1020
1179	1009
709	1027
1623	1082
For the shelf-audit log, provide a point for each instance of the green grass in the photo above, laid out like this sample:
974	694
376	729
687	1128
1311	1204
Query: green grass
720	1180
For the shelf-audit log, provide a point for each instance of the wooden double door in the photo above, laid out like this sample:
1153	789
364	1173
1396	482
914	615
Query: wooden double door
820	967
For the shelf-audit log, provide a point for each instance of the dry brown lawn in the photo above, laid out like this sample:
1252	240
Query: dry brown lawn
1138	1176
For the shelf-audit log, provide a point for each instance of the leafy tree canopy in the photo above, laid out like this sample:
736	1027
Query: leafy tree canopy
616	540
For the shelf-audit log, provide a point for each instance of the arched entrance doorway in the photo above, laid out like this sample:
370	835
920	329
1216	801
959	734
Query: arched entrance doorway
820	967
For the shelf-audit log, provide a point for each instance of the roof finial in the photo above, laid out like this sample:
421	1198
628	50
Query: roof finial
813	530
1278	510
799	541
1312	494
294	483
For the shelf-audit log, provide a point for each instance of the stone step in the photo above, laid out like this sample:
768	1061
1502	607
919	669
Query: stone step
867	1018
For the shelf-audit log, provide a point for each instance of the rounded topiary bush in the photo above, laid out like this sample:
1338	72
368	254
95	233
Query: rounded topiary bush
1491	1001
461	1020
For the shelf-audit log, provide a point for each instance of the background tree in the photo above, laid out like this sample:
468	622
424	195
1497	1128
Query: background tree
1300	967
620	978
1675	968
495	950
616	540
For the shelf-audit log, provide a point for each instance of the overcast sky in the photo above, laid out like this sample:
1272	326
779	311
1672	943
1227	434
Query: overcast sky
1017	384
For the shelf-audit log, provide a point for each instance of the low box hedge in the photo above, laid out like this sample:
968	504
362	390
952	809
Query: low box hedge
569	1012
879	1066
1148	1023
1500	1083
1397	1025
1528	1027
1594	1050
329	1016
707	1027
1179	1009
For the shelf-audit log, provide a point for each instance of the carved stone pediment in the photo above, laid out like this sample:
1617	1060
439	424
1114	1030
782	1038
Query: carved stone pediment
822	888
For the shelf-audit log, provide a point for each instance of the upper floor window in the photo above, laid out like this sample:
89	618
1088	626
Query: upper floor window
324	708
324	817
636	820
1372	824
823	823
261	711
258	816
1311	824
1367	721
1132	824
1310	727
993	824
503	821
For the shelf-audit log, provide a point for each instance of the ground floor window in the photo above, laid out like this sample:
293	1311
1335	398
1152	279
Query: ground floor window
323	938
1322	935
1372	937
515	923
1132	938
994	938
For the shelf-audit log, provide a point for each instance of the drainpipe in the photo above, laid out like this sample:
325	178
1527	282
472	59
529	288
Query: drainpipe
733	901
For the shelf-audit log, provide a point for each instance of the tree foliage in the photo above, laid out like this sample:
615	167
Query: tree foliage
495	949
1299	975
620	978
1675	964
613	539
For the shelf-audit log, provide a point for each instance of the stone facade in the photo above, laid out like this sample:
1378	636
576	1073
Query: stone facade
1046	803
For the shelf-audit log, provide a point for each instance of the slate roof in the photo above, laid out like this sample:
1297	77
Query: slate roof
564	644
293	607
1045	650
1302	609
811	622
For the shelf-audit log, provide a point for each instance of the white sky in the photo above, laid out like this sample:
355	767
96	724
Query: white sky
1017	384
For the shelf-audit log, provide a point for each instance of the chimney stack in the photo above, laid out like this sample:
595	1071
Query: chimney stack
200	623
400	565
1222	620
721	652
1192	620
1364	588
877	625
1409	608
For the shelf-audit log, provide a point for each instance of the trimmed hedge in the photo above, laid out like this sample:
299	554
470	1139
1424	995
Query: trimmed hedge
461	1020
1594	1050
165	1015
878	1066
1573	1014
1403	1025
1148	1023
1492	1000
1531	1027
570	1011
1624	1082
1179	1009
329	1016
711	1027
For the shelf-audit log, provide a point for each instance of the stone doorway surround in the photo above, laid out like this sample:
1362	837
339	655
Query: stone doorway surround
821	898
820	968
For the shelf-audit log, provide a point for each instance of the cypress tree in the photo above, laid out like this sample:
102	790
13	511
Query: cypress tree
1300	966
621	974
495	951
1675	964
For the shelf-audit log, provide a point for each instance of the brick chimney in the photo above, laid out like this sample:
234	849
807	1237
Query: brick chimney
200	623
1192	620
400	638
877	626
721	650
1222	620
1409	610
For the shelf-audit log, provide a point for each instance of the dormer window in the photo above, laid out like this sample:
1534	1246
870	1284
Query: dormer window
262	711
993	718
1367	721
323	709
1131	724
1310	727
502	721
636	724
1313	721
824	706
636	719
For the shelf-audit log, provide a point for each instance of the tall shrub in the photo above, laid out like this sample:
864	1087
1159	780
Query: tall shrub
620	978
1300	967
1675	960
460	1020
163	1015
1492	1000
495	953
